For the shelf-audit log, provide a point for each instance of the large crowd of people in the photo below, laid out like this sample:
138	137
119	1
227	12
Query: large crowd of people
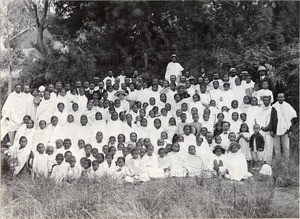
179	126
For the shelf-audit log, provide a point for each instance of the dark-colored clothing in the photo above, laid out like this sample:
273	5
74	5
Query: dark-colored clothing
259	141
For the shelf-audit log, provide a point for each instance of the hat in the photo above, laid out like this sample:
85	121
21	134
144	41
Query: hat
173	55
232	144
121	92
41	88
266	170
244	72
96	78
232	70
261	68
218	147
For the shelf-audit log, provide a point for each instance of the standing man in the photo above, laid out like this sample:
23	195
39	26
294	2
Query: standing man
285	114
174	68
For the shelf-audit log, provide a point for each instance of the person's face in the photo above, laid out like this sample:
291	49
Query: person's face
51	87
244	128
234	148
206	81
86	164
46	95
67	144
50	151
162	153
29	124
135	154
121	163
41	148
86	84
280	98
175	147
256	129
114	116
74	107
203	89
150	151
95	166
183	117
232	137
253	102
218	139
68	156
172	121
99	158
195	117
80	144
235	116
209	137
78	84
184	107
237	81
99	136
88	149
54	121
67	86
177	98
192	150
59	160
60	107
187	130
203	131
131	87
121	138
248	79
218	152
246	100
266	101
200	80
18	89
83	120
92	86
205	117
72	162
26	89
225	126
105	149
216	85
265	85
23	142
157	124
243	117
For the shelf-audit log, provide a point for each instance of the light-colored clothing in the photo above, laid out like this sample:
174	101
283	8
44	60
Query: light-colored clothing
237	166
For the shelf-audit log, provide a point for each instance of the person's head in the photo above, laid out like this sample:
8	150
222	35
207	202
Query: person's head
218	126
40	148
81	143
203	88
134	153
59	158
225	126
218	139
60	107
30	124
243	117
218	150
199	80
266	100
253	101
46	94
172	121
220	117
175	147
205	117
114	116
109	158
95	165
82	161
184	107
157	123
280	98
237	81
209	137
248	78
72	161
177	98
67	156
100	157
203	131
256	128
18	88
265	85
161	152
212	103
168	148
224	109
112	140
160	142
120	161
105	149
226	86
244	127
150	150
234	104
144	122
54	120
112	150
232	136
187	130
59	143
94	152
234	147
192	150
235	116
67	143
23	141
49	150
183	117
75	107
87	164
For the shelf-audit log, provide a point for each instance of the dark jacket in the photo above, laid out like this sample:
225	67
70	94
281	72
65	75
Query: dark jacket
259	140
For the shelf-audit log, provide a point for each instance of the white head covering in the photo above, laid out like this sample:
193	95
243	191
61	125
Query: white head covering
266	170
41	88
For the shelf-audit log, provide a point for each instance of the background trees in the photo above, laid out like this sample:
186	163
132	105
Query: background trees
98	36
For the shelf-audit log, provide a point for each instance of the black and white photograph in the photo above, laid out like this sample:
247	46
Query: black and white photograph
149	109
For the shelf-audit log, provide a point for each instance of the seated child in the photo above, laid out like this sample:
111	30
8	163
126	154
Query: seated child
192	163
163	161
218	163
257	144
51	157
59	171
107	164
176	162
59	149
231	138
40	164
95	172
73	171
121	172
236	163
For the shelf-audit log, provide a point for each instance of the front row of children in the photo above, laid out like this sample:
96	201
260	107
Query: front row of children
139	164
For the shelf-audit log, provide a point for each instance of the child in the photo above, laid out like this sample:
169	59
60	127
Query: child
112	141
59	146
236	163
95	172
100	158
207	122
163	161
149	163
73	170
135	167
94	152
143	152
231	138
235	123
40	164
107	164
243	139
85	167
257	144
105	149
59	171
218	163
192	163
50	157
67	144
264	92
176	168
121	173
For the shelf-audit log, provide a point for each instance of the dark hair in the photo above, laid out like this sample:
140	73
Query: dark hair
161	149
242	125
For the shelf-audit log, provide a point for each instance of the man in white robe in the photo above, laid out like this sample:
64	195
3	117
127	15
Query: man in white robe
173	68
45	109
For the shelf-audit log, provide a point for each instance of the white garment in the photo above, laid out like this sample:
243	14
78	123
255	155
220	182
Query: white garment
237	166
173	68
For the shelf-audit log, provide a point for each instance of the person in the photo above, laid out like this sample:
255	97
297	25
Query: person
257	144
285	114
263	76
236	163
59	171
42	134
13	112
40	164
192	162
217	165
45	109
264	92
121	173
173	68
163	161
134	165
176	162
243	139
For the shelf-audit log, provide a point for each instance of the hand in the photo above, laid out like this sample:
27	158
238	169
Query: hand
263	129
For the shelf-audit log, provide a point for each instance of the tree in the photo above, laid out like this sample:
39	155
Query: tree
40	19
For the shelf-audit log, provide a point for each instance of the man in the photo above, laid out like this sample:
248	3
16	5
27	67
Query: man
173	68
109	77
13	111
263	76
284	114
232	76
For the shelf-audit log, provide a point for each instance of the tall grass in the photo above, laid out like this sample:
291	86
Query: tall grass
168	198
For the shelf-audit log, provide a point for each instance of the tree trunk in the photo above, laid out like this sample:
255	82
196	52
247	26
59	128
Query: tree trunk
9	80
40	36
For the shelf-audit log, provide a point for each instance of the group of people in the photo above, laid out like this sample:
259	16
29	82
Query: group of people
224	126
